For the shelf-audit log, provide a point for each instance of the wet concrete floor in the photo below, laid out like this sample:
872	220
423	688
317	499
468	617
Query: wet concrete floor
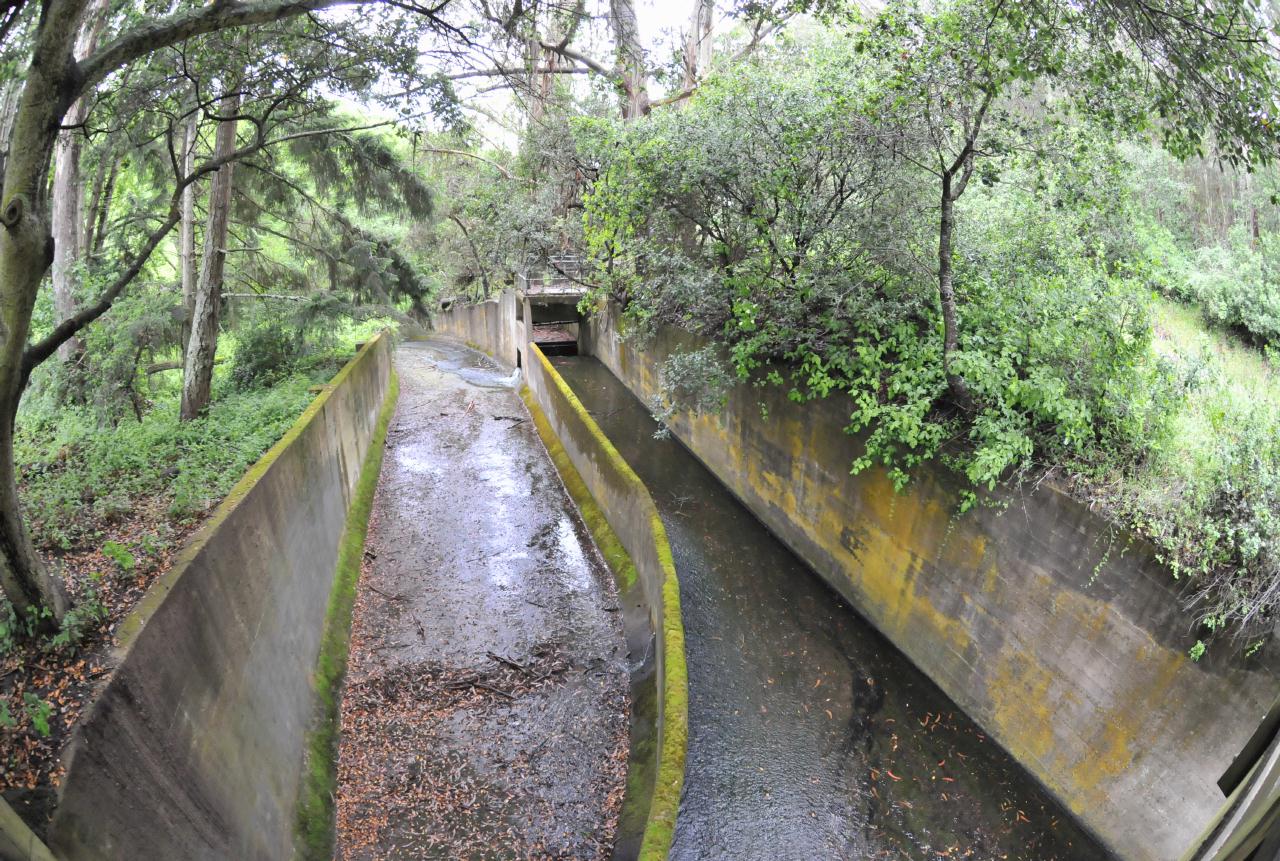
485	709
811	736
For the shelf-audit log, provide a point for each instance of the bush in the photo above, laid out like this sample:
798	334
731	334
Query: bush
1235	285
806	258
263	355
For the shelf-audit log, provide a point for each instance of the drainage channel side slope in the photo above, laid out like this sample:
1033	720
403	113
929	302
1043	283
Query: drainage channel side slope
625	521
314	835
193	748
484	713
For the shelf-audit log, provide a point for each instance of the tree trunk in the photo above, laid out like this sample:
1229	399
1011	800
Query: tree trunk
697	47
626	33
947	296
67	226
187	230
542	65
197	372
26	251
10	92
104	210
67	204
95	200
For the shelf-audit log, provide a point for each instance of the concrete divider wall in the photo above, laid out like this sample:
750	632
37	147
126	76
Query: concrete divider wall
628	507
1059	634
492	326
194	748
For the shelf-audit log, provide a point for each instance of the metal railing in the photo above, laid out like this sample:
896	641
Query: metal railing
561	276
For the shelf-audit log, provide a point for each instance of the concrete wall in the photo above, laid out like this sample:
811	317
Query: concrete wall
492	326
193	749
634	518
1057	633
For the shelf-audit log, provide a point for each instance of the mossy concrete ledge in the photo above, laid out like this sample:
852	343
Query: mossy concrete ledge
618	492
315	827
194	747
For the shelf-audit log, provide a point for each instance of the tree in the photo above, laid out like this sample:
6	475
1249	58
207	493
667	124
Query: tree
970	80
54	81
67	203
187	229
202	343
946	103
698	44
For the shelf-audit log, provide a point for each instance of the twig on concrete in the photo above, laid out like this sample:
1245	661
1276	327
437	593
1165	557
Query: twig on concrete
510	663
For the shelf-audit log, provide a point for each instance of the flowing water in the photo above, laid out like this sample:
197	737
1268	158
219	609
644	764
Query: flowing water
810	735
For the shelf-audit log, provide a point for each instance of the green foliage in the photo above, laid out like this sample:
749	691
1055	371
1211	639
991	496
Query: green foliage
86	616
769	217
38	712
801	262
10	632
78	475
1209	495
695	380
119	554
263	355
1235	283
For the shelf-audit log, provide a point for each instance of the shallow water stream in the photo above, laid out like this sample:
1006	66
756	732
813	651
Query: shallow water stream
811	737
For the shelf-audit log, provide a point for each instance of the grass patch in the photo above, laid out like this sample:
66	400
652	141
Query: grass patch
315	818
80	471
1208	491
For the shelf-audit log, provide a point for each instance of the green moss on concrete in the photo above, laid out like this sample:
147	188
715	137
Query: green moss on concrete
675	709
606	445
624	570
674	731
314	829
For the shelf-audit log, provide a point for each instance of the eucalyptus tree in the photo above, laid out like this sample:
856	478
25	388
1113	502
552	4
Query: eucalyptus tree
55	79
66	203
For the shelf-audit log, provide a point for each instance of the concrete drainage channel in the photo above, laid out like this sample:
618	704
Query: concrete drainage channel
808	736
229	670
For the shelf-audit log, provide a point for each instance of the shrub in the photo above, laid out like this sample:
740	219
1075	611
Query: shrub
264	354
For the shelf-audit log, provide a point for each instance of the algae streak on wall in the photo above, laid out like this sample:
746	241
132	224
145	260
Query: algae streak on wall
194	748
1057	633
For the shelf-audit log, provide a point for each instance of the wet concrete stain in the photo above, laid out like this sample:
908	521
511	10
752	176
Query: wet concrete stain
485	709
810	736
